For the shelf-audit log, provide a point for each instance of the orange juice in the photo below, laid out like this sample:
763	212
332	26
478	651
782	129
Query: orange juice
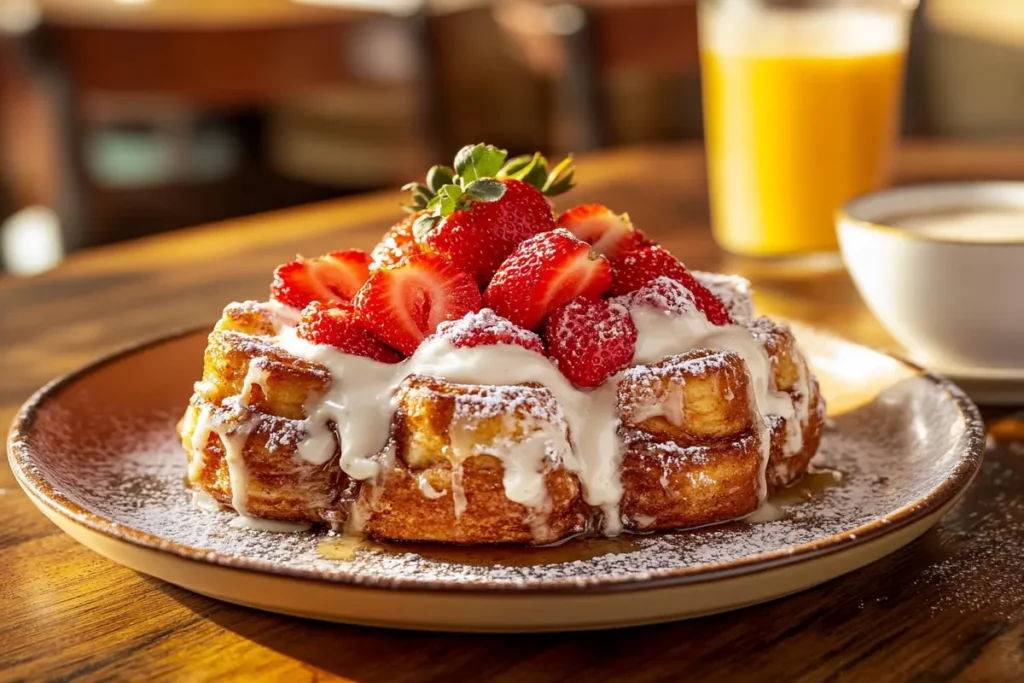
801	109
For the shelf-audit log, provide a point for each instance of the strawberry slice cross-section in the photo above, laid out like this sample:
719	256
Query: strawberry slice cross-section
336	276
611	235
401	305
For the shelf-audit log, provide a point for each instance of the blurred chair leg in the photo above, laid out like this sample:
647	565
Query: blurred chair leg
581	88
73	180
421	27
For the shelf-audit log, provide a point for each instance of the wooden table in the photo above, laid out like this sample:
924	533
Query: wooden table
948	607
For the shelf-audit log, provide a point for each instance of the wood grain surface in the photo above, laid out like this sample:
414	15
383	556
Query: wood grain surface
948	607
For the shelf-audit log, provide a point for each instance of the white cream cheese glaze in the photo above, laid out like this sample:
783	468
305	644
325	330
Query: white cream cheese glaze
661	334
359	403
357	409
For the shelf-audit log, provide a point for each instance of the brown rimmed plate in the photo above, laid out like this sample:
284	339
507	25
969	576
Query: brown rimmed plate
97	452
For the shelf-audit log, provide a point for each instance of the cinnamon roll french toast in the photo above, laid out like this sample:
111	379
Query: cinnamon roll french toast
495	373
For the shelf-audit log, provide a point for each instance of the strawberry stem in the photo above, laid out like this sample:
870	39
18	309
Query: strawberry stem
477	177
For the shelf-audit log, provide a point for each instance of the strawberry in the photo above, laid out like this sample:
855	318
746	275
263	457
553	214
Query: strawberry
336	276
478	212
638	268
662	294
609	234
642	240
478	238
401	305
337	325
397	243
590	340
485	328
543	273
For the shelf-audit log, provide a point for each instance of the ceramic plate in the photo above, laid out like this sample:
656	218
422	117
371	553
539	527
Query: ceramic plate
987	386
97	452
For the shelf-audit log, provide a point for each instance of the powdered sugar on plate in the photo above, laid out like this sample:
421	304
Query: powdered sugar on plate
891	455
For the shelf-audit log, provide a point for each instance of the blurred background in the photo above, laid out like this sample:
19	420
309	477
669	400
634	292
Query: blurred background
124	118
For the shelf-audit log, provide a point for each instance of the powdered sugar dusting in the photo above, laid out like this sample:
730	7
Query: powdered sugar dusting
733	291
484	402
663	294
487	327
892	453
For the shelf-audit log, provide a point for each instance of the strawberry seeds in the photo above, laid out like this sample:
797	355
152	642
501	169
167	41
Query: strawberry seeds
481	260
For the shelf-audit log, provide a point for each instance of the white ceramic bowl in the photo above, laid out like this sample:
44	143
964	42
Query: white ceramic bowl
952	303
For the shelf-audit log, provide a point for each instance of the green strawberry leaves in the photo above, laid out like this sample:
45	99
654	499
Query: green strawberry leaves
485	190
451	197
534	170
421	196
439	176
559	180
478	176
424	225
479	161
450	189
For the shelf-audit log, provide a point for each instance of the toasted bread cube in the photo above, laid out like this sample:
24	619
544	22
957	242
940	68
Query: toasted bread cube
780	345
440	422
692	397
668	486
267	377
248	317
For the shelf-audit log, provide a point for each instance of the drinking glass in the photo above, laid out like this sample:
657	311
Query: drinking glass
802	103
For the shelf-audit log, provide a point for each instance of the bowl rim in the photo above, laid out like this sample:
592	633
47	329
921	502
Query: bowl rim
847	214
21	454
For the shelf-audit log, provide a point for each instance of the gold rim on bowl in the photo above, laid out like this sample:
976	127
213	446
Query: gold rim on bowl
846	213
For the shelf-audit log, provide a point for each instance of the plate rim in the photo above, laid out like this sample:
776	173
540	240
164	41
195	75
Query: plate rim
36	486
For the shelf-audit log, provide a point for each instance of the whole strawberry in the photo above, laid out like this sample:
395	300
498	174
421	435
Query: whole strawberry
478	212
397	244
660	294
487	328
543	273
590	340
640	268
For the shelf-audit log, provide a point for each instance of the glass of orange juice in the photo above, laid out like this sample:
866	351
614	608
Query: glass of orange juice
802	106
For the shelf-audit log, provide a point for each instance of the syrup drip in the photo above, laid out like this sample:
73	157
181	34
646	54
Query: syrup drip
812	485
347	548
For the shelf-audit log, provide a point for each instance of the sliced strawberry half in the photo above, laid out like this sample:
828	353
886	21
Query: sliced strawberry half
403	304
544	272
485	328
338	325
590	340
641	267
336	276
611	235
397	243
